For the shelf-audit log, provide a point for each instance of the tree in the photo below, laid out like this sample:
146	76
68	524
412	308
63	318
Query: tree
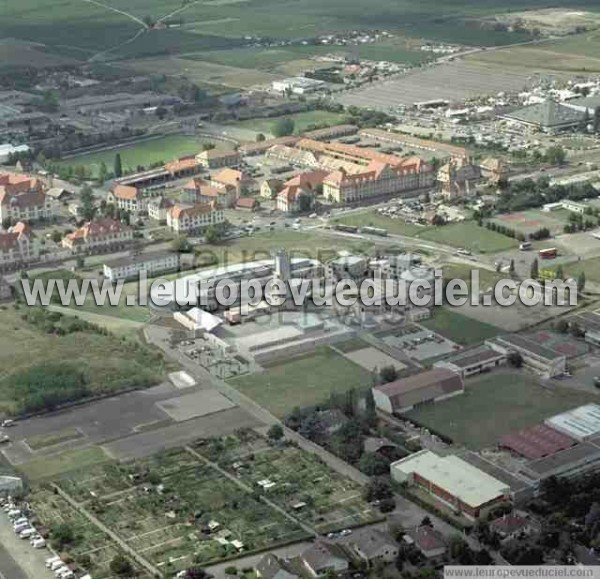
370	408
283	127
62	535
378	489
275	433
260	138
211	234
121	566
388	374
560	274
511	267
196	573
102	172
373	464
555	155
581	282
118	170
561	326
534	271
180	245
87	202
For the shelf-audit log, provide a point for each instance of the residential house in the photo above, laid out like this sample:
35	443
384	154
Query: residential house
239	180
513	525
151	264
322	557
101	236
247	204
270	187
59	194
273	567
18	247
493	169
128	198
194	218
427	540
373	546
158	207
217	158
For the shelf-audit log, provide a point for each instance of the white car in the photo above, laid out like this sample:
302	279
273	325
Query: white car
52	560
27	533
8	422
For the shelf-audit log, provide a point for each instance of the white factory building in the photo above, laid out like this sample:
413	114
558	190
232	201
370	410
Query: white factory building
581	423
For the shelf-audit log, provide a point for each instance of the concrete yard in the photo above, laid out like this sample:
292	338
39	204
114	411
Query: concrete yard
195	405
372	358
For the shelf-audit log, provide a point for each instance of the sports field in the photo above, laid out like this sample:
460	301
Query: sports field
527	222
303	381
495	404
144	154
458	328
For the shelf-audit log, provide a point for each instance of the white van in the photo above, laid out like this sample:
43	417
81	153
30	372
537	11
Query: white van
27	533
57	565
38	543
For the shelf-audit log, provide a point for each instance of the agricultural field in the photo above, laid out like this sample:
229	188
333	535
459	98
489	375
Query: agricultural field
495	404
574	54
459	328
143	154
302	121
303	381
123	29
108	363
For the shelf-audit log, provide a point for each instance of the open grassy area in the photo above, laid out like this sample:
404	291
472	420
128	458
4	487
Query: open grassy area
487	278
495	404
302	121
458	328
527	222
47	467
303	381
467	235
144	153
315	245
108	363
470	236
591	268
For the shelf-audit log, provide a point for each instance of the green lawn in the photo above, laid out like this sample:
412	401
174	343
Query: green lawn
462	271
470	236
467	235
496	404
590	266
46	467
304	381
302	121
459	328
143	154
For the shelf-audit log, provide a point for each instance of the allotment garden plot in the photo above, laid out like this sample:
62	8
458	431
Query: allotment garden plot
295	480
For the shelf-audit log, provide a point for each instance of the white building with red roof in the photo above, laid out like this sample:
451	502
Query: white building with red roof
194	218
18	246
128	198
100	236
22	198
298	194
239	180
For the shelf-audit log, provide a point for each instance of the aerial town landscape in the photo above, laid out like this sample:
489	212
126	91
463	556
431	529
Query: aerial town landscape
153	152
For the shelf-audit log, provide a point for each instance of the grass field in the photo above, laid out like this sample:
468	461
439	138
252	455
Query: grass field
591	268
58	437
109	363
303	381
297	243
495	404
573	54
302	121
466	235
458	328
143	154
47	467
462	271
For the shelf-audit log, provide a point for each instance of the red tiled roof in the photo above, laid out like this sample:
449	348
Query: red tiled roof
17	183
98	228
8	240
180	211
22	200
127	192
231	177
310	179
537	441
182	164
246	203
